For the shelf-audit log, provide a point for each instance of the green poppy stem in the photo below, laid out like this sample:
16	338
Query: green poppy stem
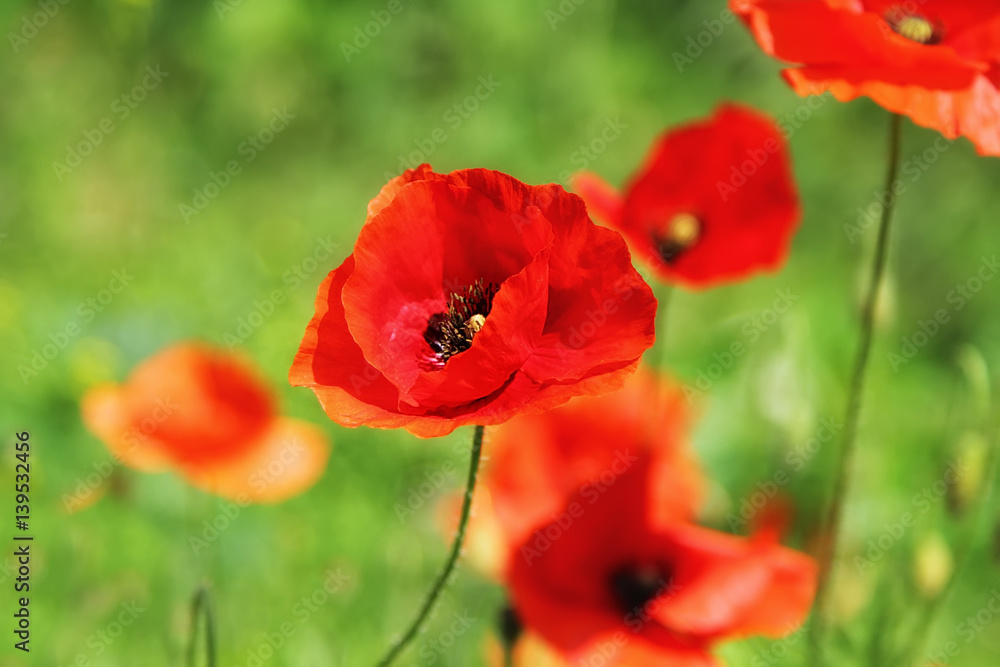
508	655
201	606
449	566
831	527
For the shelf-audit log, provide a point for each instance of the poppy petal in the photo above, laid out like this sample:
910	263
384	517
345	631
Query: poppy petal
287	459
351	391
106	412
603	201
945	76
392	188
973	113
850	41
728	182
434	320
407	262
594	314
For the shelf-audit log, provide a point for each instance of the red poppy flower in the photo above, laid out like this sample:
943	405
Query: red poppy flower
602	578
715	200
205	414
471	297
936	61
537	461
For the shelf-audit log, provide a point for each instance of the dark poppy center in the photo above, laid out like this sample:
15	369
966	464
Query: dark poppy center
912	26
451	332
509	625
677	236
633	587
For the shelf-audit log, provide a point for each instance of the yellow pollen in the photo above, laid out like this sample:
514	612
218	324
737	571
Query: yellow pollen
683	230
914	28
475	323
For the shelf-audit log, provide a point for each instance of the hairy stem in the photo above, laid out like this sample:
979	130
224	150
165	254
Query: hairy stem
833	517
449	566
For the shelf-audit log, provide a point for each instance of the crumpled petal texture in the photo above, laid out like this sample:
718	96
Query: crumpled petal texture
711	586
537	461
570	315
850	48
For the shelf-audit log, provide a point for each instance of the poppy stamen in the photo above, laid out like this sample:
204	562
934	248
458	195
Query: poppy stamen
682	232
913	27
452	331
634	587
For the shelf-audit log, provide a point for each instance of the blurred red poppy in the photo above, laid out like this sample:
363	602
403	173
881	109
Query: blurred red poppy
936	61
471	297
537	461
715	200
207	415
602	578
530	651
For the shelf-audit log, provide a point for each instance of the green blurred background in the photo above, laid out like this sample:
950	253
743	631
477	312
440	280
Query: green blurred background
560	73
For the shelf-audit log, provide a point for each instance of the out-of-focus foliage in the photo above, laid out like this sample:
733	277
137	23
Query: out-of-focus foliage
219	157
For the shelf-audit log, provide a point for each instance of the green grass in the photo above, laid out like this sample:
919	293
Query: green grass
120	209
